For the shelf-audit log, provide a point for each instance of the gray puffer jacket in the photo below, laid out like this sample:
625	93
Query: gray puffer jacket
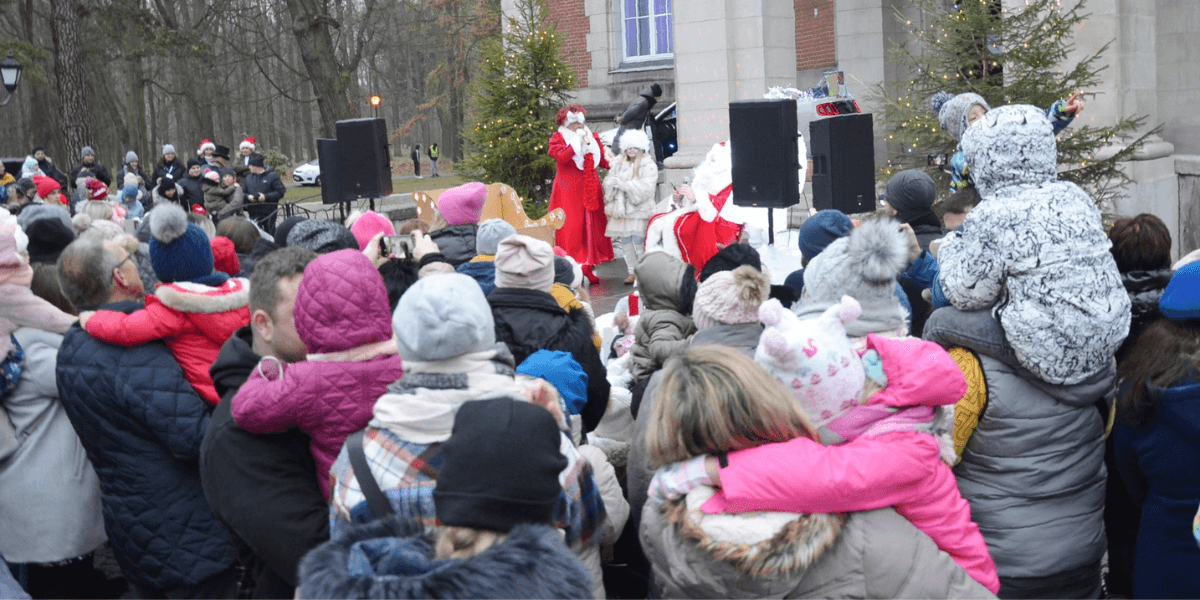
668	287
1033	472
874	554
1036	250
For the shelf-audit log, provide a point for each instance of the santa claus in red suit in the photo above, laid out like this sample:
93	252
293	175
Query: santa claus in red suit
577	191
706	219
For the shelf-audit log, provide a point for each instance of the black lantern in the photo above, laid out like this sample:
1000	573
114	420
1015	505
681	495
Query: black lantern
10	72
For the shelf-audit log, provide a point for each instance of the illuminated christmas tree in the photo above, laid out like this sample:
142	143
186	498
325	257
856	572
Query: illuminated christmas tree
1017	56
514	100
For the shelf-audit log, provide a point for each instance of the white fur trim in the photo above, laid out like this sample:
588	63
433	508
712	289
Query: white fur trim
244	145
190	297
206	146
575	141
575	117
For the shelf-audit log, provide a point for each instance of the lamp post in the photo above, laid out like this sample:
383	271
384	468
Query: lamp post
10	72
376	100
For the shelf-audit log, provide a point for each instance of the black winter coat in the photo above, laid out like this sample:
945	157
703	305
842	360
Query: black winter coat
141	424
175	169
269	184
51	171
530	320
456	242
98	171
193	191
263	487
1145	288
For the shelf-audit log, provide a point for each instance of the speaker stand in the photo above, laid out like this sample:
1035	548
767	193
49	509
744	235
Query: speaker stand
770	227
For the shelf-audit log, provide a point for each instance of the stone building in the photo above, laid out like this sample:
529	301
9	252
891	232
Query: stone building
706	53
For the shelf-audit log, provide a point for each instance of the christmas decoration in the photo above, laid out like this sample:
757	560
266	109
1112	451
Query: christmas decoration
1008	56
515	98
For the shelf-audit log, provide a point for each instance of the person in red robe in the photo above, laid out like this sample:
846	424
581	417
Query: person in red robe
578	153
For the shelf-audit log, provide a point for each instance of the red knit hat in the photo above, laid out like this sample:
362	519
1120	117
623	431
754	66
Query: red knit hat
225	257
45	186
96	190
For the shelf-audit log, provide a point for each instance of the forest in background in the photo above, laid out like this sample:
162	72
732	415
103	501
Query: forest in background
122	75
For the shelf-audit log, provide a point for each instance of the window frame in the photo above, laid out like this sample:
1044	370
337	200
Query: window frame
637	60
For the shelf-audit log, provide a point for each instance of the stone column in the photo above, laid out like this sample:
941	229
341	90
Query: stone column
725	50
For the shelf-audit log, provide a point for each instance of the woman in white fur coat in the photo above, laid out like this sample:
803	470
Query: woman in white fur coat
629	195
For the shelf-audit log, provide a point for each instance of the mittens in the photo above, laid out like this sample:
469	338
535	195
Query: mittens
676	480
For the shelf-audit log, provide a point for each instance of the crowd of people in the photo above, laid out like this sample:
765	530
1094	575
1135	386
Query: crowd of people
980	403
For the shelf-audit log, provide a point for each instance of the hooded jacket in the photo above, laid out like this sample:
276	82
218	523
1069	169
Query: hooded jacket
1036	250
1145	288
1158	463
531	320
1033	472
221	200
262	486
194	319
394	558
352	359
664	328
628	199
876	554
141	424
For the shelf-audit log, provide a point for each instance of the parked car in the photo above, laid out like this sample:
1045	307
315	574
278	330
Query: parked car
308	173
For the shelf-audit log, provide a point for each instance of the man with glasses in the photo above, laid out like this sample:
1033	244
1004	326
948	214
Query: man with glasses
141	424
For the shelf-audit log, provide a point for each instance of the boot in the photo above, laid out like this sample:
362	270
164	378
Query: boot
591	277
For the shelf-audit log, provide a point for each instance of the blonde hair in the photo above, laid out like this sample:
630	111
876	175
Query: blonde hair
714	399
97	210
465	542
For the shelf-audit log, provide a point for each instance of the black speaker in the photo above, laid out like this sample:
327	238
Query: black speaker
331	172
843	169
766	168
366	163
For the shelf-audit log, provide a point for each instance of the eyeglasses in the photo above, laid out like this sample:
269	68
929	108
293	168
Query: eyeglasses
127	257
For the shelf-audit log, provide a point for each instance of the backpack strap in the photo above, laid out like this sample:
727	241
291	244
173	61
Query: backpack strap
376	499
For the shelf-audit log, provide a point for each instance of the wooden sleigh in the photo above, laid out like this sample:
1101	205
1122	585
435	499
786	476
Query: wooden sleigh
502	203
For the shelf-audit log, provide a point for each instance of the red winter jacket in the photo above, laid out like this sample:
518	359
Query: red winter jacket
193	319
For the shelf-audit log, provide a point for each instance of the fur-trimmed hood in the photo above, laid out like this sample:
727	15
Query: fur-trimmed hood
394	558
759	544
203	299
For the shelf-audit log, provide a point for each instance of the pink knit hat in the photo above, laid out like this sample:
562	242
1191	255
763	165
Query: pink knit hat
463	204
813	359
12	243
368	225
730	298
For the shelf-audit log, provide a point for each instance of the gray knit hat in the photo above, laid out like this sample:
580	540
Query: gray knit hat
952	113
863	265
443	316
87	151
168	149
321	237
489	234
130	156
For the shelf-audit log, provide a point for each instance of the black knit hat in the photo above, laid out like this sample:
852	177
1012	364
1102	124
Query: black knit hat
257	160
47	239
564	271
730	258
501	467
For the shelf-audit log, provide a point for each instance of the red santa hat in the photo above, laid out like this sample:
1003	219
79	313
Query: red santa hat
247	143
206	145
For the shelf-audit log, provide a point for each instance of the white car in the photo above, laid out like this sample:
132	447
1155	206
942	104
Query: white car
308	173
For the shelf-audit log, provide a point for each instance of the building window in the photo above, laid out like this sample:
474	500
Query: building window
648	30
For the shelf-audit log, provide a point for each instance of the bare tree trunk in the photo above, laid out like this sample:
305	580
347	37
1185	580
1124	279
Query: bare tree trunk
75	126
311	26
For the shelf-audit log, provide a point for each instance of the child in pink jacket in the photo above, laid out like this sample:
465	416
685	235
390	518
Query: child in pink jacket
343	317
883	403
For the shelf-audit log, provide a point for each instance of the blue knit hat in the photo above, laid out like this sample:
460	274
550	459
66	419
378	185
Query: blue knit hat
562	371
179	250
821	230
1181	300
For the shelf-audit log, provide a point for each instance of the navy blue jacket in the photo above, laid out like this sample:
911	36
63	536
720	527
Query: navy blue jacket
1160	463
141	424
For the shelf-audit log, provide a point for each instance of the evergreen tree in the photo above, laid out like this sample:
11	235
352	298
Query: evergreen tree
1008	57
515	99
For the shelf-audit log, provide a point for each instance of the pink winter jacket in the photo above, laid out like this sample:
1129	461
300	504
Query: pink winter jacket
343	317
900	469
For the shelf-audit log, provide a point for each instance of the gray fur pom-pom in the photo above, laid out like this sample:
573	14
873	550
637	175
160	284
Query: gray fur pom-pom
880	248
940	99
168	223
